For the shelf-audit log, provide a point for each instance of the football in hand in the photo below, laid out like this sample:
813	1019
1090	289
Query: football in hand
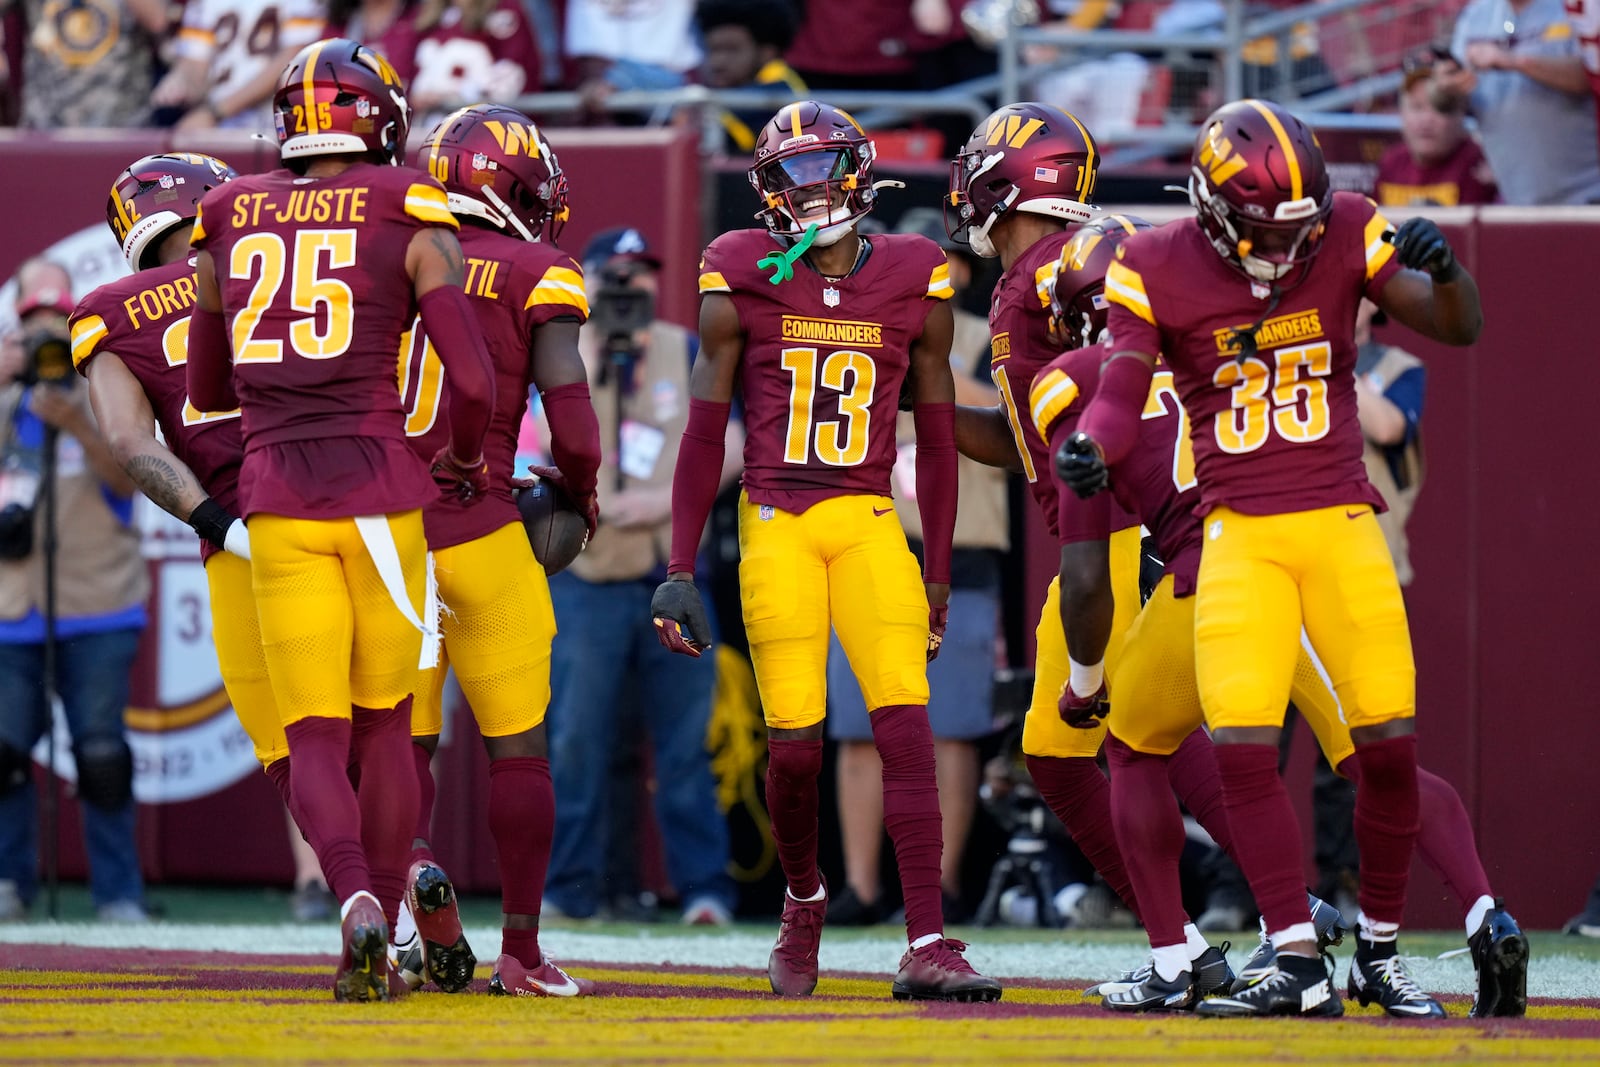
555	528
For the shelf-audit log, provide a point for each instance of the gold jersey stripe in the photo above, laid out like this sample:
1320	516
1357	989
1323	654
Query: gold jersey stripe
713	282
1044	281
557	291
1053	393
86	333
428	204
1125	287
198	234
1378	250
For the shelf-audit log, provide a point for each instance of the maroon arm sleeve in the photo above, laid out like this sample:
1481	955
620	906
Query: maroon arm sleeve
695	480
1112	418
574	435
447	317
1078	520
210	368
936	487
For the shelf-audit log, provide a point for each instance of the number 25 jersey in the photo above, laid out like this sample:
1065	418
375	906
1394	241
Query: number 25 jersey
1276	431
824	362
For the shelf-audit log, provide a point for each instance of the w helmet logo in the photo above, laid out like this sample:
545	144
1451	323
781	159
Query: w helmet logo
1218	157
1012	130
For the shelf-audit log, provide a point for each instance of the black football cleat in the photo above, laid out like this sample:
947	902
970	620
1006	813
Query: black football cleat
446	956
1383	980
1331	929
1155	993
1124	981
1296	986
1212	974
1500	956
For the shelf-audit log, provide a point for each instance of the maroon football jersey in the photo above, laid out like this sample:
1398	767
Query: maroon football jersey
515	287
1154	482
824	362
1274	432
143	320
316	296
1463	178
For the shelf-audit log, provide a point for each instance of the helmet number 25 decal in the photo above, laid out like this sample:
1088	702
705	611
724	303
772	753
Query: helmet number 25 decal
838	442
1290	397
309	290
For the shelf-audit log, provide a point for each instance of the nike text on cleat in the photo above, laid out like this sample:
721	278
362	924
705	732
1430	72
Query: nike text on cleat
511	978
364	962
446	957
1263	961
1500	956
1155	993
792	967
1384	981
938	971
1297	990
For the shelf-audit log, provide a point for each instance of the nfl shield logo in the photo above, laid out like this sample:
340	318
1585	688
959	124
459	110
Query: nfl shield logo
166	182
363	107
479	161
1260	290
830	296
767	512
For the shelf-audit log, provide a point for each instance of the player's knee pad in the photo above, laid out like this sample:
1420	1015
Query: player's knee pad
105	771
15	767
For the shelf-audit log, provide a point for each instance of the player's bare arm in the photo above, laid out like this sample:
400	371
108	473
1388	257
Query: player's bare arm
563	384
210	366
983	435
1435	295
126	420
434	258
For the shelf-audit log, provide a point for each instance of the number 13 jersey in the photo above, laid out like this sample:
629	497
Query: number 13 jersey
824	362
1276	431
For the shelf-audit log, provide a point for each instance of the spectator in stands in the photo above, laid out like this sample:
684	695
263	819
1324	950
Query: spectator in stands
467	52
101	585
1437	161
961	680
744	42
1517	64
855	44
646	44
88	65
229	54
639	381
389	26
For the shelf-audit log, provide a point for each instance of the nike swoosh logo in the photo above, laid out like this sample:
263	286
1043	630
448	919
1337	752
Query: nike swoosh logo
1354	514
566	988
880	512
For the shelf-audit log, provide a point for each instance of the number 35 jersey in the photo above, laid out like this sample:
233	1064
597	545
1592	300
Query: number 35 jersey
316	297
824	362
1276	431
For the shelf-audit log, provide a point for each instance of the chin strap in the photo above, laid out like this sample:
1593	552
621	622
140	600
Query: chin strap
782	263
1246	338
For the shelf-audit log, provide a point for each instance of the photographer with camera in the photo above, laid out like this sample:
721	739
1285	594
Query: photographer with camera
53	458
639	383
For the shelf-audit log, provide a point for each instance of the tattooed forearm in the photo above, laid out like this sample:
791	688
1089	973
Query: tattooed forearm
167	482
449	249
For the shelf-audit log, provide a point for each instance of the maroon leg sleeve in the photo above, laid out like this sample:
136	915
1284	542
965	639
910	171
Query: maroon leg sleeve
522	817
381	738
1386	824
1193	772
1080	796
278	771
1266	836
427	789
331	820
1150	831
792	769
911	811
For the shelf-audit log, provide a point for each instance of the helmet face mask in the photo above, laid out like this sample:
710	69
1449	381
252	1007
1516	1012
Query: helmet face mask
157	194
337	97
813	167
496	165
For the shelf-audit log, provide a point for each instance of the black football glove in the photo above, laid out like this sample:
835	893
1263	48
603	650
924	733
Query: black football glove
1420	245
1079	464
1083	713
676	608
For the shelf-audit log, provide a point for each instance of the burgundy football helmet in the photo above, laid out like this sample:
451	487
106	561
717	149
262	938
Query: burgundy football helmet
1260	189
156	194
337	97
1025	157
813	164
496	165
1078	308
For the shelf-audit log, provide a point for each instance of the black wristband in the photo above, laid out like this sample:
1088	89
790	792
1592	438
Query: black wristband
211	521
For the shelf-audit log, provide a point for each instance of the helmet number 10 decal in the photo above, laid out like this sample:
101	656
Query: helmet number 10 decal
840	442
1289	398
309	292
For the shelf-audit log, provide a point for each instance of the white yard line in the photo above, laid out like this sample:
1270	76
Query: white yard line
1550	976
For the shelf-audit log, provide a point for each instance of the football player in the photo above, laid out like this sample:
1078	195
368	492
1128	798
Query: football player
319	268
1156	704
1251	304
508	191
819	349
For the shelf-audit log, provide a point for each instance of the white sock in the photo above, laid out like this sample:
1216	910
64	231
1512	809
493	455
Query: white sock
1194	941
1171	960
1376	931
813	898
405	927
1478	912
344	909
926	940
1297	932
